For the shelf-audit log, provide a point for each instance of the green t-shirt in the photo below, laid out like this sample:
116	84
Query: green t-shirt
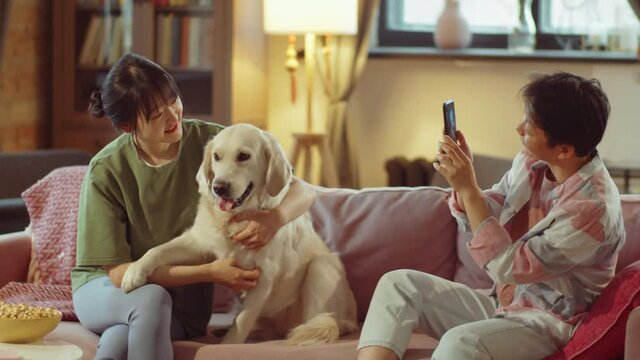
127	207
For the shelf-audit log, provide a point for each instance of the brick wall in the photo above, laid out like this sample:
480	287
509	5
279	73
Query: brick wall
25	76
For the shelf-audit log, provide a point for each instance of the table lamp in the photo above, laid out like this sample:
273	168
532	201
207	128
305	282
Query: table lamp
311	17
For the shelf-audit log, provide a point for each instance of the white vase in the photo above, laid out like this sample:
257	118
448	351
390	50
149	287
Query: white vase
452	29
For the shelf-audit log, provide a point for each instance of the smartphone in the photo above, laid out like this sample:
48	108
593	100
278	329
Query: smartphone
449	112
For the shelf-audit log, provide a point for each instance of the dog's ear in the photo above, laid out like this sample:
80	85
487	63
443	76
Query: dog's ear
278	168
205	173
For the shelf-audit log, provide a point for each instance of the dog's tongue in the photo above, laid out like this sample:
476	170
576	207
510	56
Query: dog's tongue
226	205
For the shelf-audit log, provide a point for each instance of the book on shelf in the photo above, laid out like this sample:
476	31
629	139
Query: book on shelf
193	48
99	3
206	46
164	39
175	40
92	41
182	2
103	41
116	50
184	41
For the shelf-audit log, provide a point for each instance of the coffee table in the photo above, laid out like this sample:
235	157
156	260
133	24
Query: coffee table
43	350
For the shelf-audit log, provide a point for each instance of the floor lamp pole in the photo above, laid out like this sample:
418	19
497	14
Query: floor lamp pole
310	68
304	142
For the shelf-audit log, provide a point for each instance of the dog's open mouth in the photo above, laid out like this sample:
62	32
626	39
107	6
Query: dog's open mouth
229	204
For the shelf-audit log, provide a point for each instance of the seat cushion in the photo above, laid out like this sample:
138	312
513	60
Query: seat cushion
76	334
420	347
601	334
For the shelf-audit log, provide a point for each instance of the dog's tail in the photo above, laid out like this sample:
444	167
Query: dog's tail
322	329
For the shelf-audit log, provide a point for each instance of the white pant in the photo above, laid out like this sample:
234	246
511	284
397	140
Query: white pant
462	318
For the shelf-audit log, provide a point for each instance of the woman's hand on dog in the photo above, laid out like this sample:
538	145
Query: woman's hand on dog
263	225
227	272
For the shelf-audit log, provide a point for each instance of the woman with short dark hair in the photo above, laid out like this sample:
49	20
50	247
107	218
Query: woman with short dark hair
140	191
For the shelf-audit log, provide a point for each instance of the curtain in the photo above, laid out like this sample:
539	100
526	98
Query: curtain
4	24
635	5
344	60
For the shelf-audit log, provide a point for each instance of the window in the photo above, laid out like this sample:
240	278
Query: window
484	16
597	24
561	24
586	16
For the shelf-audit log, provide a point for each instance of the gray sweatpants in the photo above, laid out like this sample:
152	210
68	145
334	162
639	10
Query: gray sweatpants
462	318
137	325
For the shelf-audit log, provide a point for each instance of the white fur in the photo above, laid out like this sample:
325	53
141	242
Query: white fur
302	289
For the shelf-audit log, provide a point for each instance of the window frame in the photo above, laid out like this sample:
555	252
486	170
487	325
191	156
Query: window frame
387	37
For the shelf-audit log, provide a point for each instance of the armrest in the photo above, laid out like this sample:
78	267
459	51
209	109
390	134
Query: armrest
632	337
13	215
15	254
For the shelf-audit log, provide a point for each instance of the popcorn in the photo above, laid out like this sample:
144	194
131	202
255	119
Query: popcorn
26	312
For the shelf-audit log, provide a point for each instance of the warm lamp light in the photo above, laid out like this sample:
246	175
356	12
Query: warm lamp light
304	16
310	17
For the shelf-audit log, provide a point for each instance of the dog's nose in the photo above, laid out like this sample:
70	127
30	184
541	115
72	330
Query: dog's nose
221	188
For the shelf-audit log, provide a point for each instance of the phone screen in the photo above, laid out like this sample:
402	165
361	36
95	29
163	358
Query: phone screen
449	113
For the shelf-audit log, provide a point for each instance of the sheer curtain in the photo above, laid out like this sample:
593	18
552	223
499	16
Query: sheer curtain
345	57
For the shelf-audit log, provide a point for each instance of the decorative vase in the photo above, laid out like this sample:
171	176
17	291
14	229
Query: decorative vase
452	29
523	36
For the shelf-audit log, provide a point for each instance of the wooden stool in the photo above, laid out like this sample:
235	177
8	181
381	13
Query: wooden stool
303	143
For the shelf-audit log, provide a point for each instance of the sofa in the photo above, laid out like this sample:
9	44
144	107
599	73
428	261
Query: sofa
420	172
19	170
373	231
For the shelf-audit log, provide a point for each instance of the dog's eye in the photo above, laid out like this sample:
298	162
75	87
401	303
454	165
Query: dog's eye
243	157
216	157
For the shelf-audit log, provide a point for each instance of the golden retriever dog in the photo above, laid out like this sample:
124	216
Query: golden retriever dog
302	290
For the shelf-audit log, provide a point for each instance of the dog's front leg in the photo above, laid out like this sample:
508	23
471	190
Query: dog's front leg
183	250
251	309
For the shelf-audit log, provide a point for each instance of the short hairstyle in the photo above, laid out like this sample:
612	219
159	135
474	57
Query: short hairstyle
569	109
134	86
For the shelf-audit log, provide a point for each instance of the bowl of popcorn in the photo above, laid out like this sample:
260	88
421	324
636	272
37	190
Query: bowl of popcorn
22	323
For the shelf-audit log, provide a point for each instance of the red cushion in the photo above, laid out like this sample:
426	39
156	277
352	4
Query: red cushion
53	210
601	334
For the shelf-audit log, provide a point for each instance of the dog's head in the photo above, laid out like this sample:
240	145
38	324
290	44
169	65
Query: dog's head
241	166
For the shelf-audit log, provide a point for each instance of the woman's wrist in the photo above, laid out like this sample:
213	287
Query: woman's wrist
469	195
279	217
210	272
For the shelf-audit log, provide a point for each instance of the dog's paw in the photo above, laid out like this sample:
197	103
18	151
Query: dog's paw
135	276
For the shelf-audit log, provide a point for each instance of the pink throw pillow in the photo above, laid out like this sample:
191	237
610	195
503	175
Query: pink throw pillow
52	203
47	295
602	332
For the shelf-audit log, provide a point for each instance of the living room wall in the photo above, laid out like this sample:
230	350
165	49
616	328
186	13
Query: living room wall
396	106
25	73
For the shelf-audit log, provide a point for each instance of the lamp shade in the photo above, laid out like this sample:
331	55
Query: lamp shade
311	16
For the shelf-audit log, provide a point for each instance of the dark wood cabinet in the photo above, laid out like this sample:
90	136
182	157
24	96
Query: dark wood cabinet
191	39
